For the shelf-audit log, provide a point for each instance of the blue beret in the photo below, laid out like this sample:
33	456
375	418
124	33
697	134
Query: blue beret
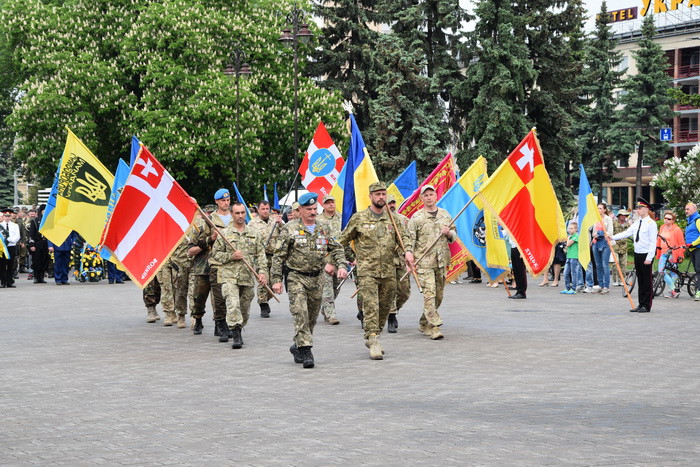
221	193
308	199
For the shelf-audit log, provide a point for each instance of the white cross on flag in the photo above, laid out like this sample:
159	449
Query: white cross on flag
151	217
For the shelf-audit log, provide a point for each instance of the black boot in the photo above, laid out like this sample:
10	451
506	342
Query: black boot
264	310
198	326
361	317
297	354
237	339
307	357
392	323
223	330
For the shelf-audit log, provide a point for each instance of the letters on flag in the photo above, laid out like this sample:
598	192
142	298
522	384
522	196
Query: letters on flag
48	227
151	217
405	184
83	192
322	163
588	215
476	228
442	178
521	195
359	175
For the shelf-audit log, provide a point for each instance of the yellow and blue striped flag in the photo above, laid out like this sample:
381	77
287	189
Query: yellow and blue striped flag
405	184
359	175
588	215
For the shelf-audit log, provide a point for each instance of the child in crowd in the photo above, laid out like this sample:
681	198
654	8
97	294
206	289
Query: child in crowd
572	270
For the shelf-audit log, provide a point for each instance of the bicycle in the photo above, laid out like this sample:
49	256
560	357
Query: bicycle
684	277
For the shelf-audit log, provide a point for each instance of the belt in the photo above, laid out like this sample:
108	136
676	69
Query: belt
307	274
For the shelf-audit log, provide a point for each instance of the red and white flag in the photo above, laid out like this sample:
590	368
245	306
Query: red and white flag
149	220
322	163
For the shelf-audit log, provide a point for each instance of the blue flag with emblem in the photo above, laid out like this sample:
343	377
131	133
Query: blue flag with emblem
405	184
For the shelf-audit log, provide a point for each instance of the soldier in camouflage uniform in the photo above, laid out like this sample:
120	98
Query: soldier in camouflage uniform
268	228
151	298
330	283
376	244
238	283
206	273
166	276
308	249
181	265
426	225
620	247
403	286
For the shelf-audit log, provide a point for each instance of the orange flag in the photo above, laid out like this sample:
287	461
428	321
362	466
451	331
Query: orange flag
521	195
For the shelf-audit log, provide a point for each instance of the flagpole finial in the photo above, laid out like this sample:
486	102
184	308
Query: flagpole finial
347	105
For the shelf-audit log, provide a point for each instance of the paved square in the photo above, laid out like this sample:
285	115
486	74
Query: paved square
552	380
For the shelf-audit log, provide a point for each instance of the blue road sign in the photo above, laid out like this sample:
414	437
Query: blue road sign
665	134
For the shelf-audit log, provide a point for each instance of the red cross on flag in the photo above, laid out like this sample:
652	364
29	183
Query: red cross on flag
149	220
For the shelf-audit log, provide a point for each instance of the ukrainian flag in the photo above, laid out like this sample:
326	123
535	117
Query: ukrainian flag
359	175
588	215
405	184
57	234
4	252
337	190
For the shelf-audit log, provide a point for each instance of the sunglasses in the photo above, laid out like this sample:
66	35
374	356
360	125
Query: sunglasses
668	218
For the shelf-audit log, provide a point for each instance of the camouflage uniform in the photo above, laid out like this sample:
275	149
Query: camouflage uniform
151	298
425	228
305	255
403	286
206	269
620	247
263	229
237	282
376	246
20	264
330	283
181	264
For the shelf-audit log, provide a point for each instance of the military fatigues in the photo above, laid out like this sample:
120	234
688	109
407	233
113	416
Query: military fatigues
330	283
403	286
264	229
237	281
620	249
206	269
425	228
151	298
20	264
375	246
180	266
305	255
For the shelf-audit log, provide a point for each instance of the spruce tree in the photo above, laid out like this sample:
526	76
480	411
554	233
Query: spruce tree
602	77
492	97
647	105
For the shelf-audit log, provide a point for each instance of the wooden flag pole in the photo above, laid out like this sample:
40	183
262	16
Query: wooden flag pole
403	248
228	242
619	271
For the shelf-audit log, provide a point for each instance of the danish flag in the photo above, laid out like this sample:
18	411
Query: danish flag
322	163
149	220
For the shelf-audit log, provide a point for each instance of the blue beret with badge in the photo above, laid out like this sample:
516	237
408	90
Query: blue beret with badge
308	199
221	193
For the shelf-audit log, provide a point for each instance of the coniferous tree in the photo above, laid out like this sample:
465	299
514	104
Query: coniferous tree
7	187
601	77
491	99
344	58
647	105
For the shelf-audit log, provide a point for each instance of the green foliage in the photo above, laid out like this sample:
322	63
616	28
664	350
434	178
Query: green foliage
680	180
110	69
7	187
601	78
682	98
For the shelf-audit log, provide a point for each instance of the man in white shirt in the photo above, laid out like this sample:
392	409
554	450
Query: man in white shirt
643	231
10	233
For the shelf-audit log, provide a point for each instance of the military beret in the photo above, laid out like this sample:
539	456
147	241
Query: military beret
222	193
308	199
426	187
377	186
328	198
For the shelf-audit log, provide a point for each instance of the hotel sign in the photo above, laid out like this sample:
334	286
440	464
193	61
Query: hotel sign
623	15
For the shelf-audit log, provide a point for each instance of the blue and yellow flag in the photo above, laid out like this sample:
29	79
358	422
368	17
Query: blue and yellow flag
405	184
359	175
120	177
337	190
588	215
56	234
478	230
4	252
242	201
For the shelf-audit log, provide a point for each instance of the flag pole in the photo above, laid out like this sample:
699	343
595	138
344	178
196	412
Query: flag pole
228	242
430	247
403	248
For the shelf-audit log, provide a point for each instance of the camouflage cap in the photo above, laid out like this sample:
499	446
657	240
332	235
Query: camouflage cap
295	206
390	199
209	208
424	188
328	197
377	186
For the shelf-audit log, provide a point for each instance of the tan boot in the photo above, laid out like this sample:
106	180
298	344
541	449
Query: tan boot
181	322
436	333
333	319
152	316
375	349
170	318
426	329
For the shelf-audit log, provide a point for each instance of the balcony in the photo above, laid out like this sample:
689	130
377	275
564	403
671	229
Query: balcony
687	136
687	71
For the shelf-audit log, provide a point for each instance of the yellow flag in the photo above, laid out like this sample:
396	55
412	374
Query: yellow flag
84	189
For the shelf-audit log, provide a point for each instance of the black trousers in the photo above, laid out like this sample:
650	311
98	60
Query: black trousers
7	266
695	258
40	261
643	280
519	271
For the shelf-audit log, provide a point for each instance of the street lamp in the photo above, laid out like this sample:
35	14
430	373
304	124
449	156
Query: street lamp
236	69
291	38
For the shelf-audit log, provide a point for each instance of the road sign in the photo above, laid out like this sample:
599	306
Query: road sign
665	134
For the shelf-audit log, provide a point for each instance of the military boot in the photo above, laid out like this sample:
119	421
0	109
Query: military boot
392	323
181	322
237	339
152	316
170	318
296	353
307	357
223	330
264	310
375	349
333	319
361	317
198	326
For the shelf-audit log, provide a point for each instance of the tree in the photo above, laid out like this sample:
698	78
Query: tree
491	98
102	70
602	77
7	186
404	126
680	180
647	105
